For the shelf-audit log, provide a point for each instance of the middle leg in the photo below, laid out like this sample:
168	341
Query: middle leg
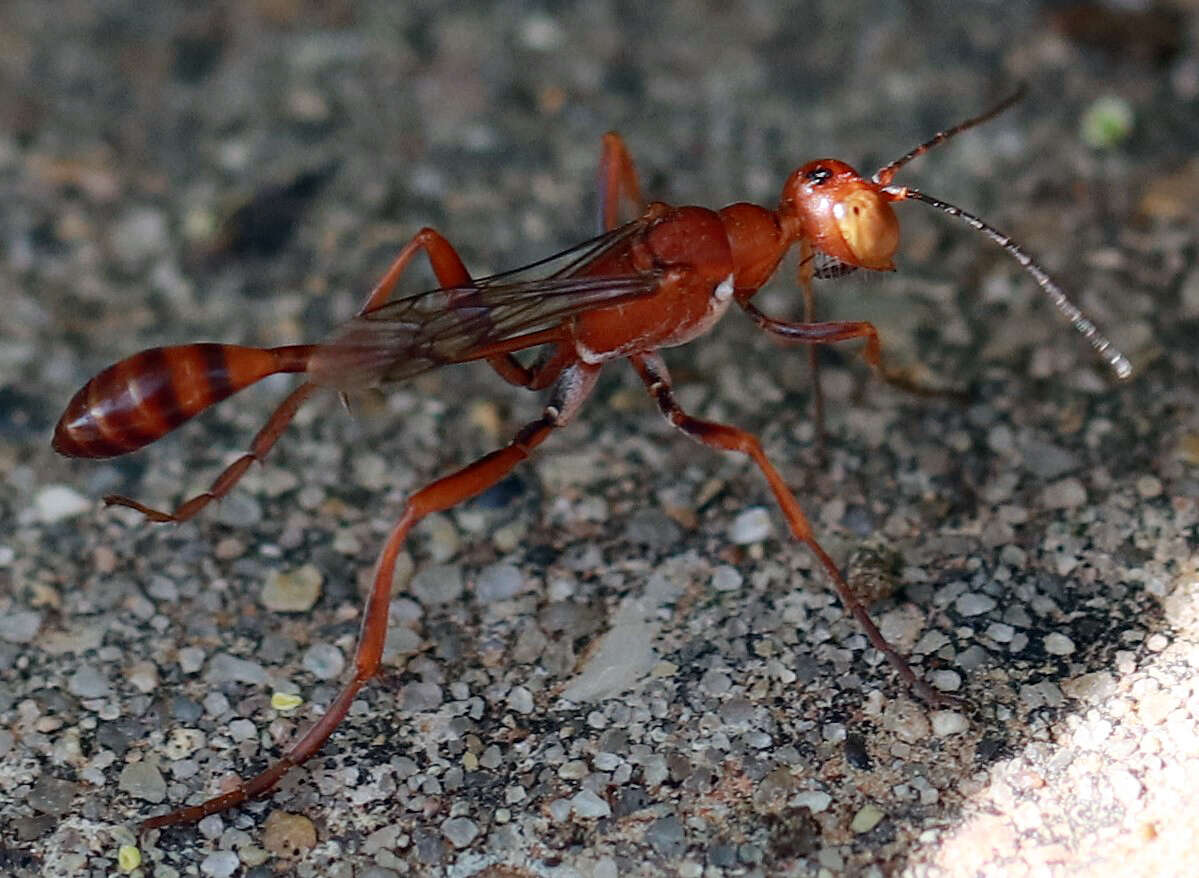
653	373
572	389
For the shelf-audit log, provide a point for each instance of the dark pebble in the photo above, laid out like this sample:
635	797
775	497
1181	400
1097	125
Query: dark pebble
666	836
185	710
855	752
51	795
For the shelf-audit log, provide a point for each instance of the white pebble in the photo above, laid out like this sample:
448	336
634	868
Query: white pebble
324	661
498	582
520	700
588	804
974	604
221	864
946	681
1058	644
58	503
1149	487
751	526
948	722
1067	493
726	578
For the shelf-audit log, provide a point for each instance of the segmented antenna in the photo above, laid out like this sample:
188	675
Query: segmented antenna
883	176
1111	355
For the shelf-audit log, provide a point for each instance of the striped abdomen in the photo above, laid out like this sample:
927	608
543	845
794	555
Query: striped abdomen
145	396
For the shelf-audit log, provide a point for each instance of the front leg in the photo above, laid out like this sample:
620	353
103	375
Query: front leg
847	330
727	438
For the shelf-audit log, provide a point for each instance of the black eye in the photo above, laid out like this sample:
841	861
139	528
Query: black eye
816	176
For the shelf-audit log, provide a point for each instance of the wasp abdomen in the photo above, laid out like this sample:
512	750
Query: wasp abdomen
143	397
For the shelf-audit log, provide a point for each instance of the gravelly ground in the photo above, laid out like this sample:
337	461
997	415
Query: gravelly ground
176	172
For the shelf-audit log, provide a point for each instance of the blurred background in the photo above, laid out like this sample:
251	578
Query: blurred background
245	172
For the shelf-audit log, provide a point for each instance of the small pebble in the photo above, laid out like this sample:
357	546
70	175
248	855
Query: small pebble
128	857
220	864
520	699
324	661
1067	493
239	511
751	526
667	836
587	804
1149	487
652	528
1058	644
51	795
726	578
182	742
143	780
974	604
55	503
419	696
1000	632
866	819
293	591
225	668
242	729
946	681
716	682
88	682
814	800
948	722
498	582
143	676
288	835
283	701
444	540
906	719
252	855
438	584
191	659
137	235
460	831
211	826
1125	786
20	626
401	640
573	770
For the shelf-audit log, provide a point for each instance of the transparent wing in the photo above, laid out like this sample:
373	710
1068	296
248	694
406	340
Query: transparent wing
414	334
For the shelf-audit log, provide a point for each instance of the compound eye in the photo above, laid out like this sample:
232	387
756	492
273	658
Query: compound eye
818	175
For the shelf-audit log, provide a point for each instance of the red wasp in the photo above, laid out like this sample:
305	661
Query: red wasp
660	280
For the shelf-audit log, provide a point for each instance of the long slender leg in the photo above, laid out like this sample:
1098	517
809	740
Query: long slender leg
223	483
449	270
620	198
722	436
809	316
573	387
845	330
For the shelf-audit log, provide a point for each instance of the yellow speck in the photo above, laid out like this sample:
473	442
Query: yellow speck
128	857
283	701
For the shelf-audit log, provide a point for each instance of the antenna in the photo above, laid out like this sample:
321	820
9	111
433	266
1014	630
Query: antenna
1111	355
